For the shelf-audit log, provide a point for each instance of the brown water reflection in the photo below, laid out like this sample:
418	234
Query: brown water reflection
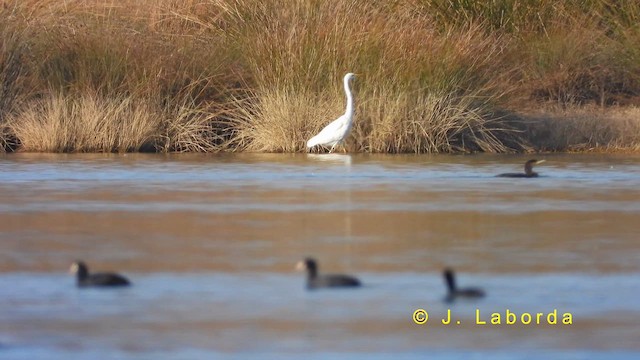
251	225
368	241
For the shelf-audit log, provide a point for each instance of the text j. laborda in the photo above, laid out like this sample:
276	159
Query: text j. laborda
508	317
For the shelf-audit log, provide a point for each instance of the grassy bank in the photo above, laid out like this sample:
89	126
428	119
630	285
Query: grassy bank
237	75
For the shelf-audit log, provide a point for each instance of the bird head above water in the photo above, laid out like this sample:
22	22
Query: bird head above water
453	292
528	166
308	264
85	279
80	269
528	170
317	281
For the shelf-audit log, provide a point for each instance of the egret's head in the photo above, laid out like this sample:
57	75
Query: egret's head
528	166
349	76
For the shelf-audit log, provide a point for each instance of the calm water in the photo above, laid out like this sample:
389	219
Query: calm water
210	243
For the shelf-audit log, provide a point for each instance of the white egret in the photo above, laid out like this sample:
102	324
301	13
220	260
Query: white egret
335	133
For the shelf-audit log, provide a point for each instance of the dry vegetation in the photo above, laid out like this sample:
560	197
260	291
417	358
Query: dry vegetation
239	75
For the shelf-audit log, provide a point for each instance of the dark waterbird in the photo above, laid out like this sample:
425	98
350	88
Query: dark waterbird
455	293
528	170
315	281
84	279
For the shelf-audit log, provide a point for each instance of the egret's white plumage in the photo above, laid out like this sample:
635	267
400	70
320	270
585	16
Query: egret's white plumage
335	133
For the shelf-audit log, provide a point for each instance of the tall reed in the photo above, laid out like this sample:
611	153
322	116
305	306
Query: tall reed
420	90
87	123
240	75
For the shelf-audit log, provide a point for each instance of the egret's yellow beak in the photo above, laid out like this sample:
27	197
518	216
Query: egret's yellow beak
300	266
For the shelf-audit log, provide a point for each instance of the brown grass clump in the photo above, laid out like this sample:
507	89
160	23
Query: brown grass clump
281	121
429	123
89	123
188	128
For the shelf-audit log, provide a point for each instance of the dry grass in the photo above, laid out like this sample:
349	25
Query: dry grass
282	121
585	129
421	90
430	123
105	76
89	123
582	66
240	75
188	128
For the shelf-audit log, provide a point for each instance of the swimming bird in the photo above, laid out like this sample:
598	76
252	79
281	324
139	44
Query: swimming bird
454	292
85	279
335	133
528	170
315	281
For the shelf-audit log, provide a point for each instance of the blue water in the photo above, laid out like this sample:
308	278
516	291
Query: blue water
221	314
209	243
573	176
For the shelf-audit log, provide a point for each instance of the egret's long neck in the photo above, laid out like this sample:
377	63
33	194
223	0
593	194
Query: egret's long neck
349	110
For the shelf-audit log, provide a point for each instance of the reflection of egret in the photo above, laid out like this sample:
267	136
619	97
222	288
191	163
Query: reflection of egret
332	158
335	133
528	170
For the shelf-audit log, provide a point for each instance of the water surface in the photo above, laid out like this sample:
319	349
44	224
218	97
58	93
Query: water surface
210	242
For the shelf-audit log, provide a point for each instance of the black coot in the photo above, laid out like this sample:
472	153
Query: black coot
455	293
528	170
85	279
315	281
